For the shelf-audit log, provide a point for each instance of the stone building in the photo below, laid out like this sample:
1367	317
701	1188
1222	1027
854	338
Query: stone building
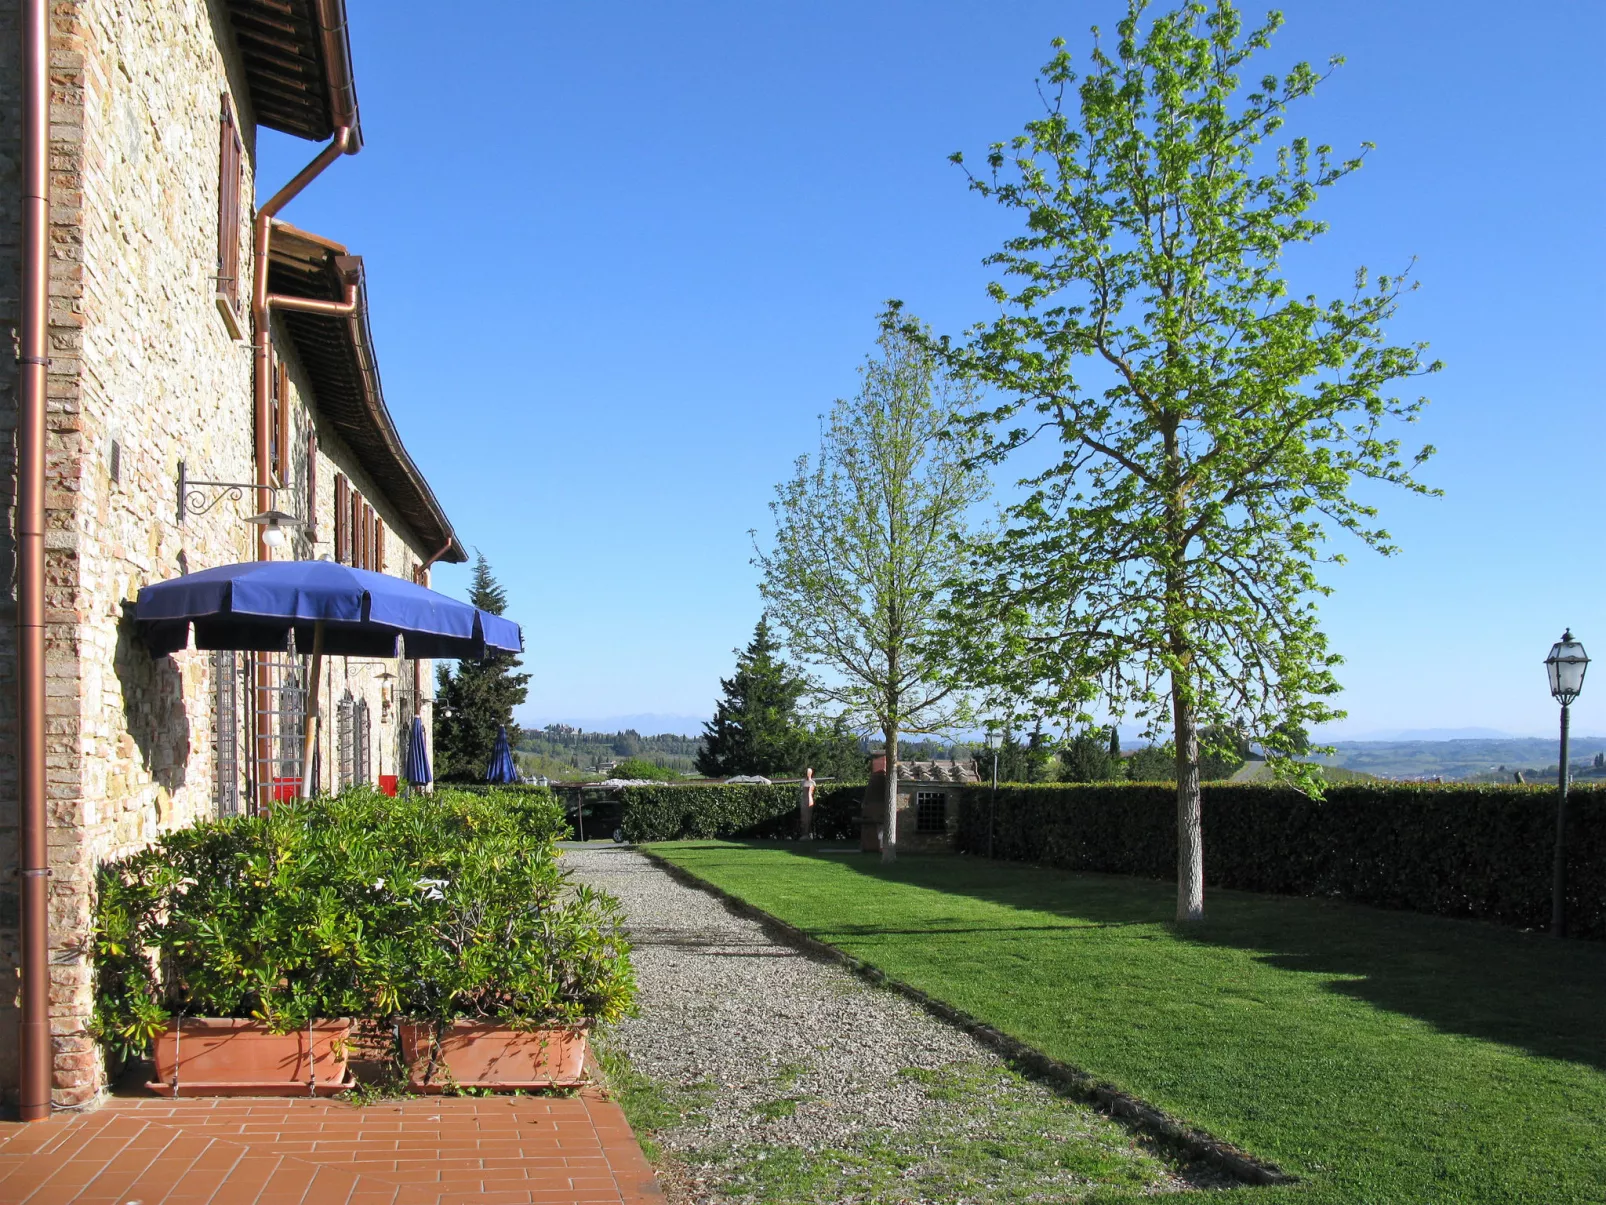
156	387
928	803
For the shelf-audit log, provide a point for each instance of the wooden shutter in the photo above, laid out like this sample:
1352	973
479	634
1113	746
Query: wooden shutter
379	544
230	152
312	484
371	526
281	384
342	519
356	530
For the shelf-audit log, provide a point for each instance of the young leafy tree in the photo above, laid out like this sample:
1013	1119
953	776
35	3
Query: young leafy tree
756	728
472	703
867	538
1210	424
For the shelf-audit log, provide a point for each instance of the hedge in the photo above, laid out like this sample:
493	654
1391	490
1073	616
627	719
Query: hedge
674	813
1480	852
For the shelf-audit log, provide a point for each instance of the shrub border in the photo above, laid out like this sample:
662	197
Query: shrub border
1139	1114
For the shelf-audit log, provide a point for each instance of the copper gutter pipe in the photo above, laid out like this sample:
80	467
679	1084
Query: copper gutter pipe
311	305
419	575
262	334
32	363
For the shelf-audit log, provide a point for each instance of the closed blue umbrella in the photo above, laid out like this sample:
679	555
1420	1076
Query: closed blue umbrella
417	771
501	768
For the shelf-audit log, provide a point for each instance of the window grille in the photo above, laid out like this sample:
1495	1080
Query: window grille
225	733
345	738
931	812
277	682
363	743
406	709
231	151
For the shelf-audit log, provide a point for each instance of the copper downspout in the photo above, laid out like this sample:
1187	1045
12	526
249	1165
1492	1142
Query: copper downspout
419	575
32	362
261	382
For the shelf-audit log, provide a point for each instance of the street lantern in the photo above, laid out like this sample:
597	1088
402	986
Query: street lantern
1566	666
993	741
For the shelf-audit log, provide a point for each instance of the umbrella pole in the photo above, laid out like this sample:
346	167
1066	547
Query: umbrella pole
311	734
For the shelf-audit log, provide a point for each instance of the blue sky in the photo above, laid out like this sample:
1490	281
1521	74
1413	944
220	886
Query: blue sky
622	255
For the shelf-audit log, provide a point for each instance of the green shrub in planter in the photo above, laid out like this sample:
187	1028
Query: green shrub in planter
440	906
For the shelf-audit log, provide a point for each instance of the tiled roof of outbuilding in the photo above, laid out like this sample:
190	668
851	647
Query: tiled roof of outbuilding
936	771
338	355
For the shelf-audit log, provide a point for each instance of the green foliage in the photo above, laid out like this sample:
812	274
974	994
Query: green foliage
640	767
867	539
756	728
1086	757
476	700
1463	851
1210	426
672	813
432	906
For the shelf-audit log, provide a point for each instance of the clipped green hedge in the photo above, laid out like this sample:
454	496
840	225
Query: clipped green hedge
751	810
1451	850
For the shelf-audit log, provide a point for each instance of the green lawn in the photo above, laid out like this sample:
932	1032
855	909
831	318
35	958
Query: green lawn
1381	1056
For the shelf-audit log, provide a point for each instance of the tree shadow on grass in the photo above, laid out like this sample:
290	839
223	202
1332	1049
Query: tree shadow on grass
1522	989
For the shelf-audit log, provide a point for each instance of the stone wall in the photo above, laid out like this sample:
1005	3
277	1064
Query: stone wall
143	363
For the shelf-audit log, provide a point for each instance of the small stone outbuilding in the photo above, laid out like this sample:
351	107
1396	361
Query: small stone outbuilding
928	803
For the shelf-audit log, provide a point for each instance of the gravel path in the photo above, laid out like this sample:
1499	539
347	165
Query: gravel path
775	1057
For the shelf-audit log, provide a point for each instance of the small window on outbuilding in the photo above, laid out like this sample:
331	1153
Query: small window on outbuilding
931	812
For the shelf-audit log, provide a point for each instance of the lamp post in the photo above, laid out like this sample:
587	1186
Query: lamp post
992	804
1566	666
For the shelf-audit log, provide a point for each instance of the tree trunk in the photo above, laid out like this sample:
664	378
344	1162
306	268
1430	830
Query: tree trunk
889	816
1190	832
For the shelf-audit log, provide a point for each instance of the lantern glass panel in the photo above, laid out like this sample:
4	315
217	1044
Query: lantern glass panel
1566	665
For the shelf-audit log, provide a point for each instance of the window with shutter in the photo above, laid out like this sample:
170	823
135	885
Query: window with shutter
231	152
311	516
379	544
342	519
277	405
356	536
281	462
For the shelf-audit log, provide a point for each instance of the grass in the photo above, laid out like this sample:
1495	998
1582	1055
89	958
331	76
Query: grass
995	1140
1380	1056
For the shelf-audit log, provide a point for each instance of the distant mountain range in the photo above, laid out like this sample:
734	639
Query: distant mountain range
648	723
1459	758
1422	734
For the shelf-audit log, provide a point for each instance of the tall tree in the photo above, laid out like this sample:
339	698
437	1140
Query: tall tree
756	728
1210	425
476	700
867	538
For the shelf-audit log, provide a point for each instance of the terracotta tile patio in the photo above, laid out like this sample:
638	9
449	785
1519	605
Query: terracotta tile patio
523	1150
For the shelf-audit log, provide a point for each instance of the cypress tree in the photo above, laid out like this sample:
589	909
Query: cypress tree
476	700
756	728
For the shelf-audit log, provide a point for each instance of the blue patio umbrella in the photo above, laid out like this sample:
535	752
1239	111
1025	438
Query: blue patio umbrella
331	608
501	768
417	771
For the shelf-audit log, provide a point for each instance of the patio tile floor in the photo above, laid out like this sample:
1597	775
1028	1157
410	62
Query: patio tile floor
524	1150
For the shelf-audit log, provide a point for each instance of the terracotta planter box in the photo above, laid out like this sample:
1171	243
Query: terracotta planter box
222	1057
485	1054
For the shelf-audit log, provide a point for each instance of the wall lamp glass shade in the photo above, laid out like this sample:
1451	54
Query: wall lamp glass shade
1566	665
274	524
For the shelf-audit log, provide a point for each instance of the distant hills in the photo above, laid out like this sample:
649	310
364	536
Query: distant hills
647	723
1466	757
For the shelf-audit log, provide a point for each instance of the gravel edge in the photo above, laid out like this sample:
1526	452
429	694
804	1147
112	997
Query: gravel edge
1154	1123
